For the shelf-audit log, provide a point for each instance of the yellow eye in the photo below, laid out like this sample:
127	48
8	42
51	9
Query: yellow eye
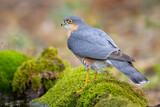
69	21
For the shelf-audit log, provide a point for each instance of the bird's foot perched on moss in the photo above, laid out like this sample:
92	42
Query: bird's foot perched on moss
86	82
80	91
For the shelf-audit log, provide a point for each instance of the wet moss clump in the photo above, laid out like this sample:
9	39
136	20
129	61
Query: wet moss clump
105	90
9	62
39	74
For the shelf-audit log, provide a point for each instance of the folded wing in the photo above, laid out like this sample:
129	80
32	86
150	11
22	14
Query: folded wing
91	43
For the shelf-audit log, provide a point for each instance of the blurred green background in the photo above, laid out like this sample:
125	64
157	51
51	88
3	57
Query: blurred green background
29	26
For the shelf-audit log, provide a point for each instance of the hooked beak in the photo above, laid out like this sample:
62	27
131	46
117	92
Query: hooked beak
62	24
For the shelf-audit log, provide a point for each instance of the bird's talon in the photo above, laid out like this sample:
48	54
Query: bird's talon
78	91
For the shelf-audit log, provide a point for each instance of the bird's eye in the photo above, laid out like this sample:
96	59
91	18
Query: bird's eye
69	21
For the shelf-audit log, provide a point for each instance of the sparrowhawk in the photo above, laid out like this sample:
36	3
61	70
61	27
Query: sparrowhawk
96	50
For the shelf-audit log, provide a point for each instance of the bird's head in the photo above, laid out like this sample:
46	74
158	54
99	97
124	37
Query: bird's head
72	23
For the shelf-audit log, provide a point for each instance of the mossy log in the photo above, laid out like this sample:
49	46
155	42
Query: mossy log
106	91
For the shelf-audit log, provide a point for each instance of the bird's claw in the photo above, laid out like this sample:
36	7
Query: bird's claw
80	91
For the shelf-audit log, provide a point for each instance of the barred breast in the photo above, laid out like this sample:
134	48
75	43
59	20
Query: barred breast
95	65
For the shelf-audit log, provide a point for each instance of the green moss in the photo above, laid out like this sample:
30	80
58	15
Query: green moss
48	84
9	62
35	81
38	72
51	53
71	79
115	102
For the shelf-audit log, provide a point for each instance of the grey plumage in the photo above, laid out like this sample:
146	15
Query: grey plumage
92	43
118	55
131	72
95	44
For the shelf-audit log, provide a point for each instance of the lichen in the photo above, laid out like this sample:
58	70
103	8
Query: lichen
72	79
40	72
9	62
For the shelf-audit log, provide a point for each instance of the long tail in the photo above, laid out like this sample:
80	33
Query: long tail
131	72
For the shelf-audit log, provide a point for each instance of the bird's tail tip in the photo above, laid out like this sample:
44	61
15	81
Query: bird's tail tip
131	72
142	82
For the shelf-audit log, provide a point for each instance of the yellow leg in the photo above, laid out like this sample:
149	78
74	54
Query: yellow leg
85	83
86	78
95	76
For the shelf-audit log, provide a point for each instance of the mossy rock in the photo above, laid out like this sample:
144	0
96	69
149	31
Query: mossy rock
36	76
9	62
96	93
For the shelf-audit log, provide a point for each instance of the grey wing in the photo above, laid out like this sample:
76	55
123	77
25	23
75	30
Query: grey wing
91	43
118	55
